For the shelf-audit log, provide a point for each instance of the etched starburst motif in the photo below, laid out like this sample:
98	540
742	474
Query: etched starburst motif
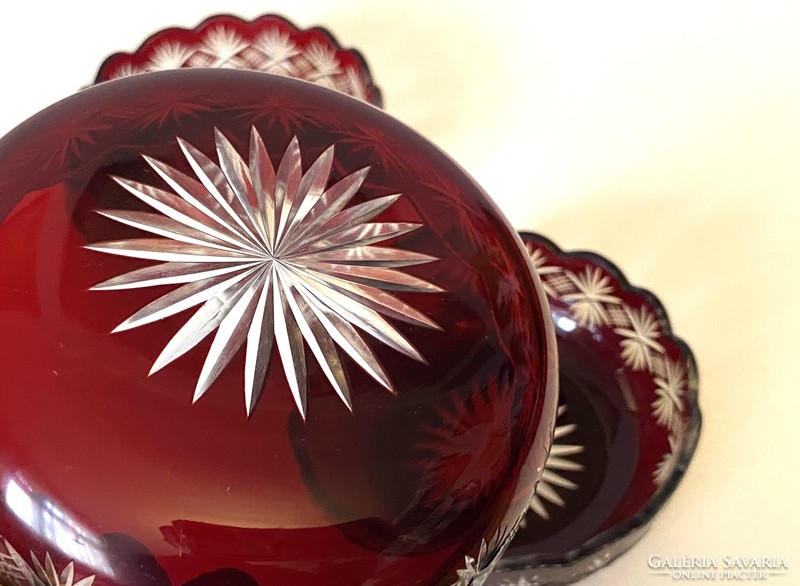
276	50
640	339
15	571
171	107
270	257
561	459
542	269
221	47
669	394
468	449
587	304
74	139
170	55
278	109
476	571
667	463
126	70
324	63
356	84
470	575
372	142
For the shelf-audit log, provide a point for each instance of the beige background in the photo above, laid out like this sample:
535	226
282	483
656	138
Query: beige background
663	135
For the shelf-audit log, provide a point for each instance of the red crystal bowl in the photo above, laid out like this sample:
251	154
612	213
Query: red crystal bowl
628	421
258	332
268	44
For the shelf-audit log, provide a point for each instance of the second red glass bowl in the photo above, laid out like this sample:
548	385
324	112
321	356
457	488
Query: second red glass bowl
627	428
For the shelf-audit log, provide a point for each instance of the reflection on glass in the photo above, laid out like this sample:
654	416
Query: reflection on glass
55	526
565	324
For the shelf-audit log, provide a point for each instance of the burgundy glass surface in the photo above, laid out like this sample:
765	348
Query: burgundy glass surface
627	428
107	471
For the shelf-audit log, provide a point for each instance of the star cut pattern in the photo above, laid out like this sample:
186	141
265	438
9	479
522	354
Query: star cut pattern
467	450
272	51
593	300
641	339
588	303
667	464
476	571
560	459
272	258
15	571
541	267
669	395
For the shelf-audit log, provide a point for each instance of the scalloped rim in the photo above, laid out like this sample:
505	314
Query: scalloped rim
610	537
375	94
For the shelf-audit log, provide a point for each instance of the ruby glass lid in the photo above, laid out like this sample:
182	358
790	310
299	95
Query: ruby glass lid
254	344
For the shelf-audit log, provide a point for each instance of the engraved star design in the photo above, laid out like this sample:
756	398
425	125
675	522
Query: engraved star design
170	55
560	459
356	84
276	51
542	268
471	572
594	290
270	257
641	339
468	449
220	49
278	109
15	571
476	571
74	139
669	395
666	465
323	65
172	107
126	70
371	141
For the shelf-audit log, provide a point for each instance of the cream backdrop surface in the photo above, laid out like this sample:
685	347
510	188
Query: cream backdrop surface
665	136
